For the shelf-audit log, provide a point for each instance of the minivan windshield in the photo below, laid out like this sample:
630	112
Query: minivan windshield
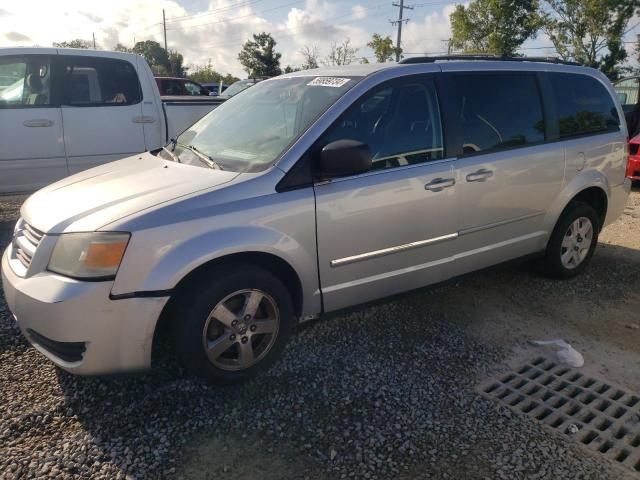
250	131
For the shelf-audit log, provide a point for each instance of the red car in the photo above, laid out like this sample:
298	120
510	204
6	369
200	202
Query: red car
179	86
633	164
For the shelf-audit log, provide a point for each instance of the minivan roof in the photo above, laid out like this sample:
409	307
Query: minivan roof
460	62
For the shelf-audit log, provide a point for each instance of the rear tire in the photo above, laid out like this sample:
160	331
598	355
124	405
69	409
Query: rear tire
572	242
233	323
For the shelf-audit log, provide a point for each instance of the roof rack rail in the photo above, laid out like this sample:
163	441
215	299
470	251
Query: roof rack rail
499	58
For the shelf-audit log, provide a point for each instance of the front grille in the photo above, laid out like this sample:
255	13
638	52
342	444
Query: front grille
67	351
26	242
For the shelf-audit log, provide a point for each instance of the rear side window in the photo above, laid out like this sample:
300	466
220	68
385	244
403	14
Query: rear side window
90	82
25	82
497	111
583	104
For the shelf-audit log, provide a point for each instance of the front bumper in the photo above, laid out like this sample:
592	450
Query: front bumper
117	334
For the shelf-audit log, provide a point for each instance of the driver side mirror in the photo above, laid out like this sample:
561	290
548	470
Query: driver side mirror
345	157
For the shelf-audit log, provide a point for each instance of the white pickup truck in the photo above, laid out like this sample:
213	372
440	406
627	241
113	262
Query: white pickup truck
66	110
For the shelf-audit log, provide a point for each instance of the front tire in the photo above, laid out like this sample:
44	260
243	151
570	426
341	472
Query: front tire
233	323
572	242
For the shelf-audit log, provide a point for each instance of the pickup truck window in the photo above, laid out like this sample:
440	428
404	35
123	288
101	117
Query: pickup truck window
99	82
249	132
25	82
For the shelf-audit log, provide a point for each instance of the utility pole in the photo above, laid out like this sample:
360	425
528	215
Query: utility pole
94	40
164	27
399	23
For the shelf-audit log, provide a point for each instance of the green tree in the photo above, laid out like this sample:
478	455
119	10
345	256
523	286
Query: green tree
121	48
311	55
75	43
155	55
494	26
383	48
342	54
207	74
259	58
176	66
589	31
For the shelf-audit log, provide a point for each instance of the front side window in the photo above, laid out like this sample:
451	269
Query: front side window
497	111
90	82
583	104
250	131
399	121
25	82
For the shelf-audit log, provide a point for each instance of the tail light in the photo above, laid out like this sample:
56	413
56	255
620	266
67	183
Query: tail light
632	154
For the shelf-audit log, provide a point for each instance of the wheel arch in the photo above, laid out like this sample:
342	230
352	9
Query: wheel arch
590	187
268	261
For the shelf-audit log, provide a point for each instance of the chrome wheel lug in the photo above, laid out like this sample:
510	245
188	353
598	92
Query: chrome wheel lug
244	339
232	337
234	323
247	318
253	328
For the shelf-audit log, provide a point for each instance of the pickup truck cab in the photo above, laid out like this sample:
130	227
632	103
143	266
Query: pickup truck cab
310	193
66	110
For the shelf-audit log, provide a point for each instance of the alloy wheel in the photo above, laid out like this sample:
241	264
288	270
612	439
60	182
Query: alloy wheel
241	329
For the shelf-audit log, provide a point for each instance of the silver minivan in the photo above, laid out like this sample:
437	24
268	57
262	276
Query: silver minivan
313	192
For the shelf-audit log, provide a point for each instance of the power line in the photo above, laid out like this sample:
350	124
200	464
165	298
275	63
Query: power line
399	23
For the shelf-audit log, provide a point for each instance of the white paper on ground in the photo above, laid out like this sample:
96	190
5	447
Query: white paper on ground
567	354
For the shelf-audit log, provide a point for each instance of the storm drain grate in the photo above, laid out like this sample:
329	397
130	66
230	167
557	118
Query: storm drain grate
601	416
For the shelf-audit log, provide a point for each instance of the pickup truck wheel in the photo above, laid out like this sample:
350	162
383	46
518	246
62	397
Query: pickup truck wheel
235	326
572	242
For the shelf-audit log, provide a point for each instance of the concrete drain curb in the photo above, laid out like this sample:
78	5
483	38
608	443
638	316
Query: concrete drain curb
601	416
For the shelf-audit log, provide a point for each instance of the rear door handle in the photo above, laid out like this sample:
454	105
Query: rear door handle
38	122
439	184
479	176
143	119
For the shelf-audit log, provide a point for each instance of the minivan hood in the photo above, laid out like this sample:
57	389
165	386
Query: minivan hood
96	197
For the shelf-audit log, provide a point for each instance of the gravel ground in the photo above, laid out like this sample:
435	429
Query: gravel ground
387	392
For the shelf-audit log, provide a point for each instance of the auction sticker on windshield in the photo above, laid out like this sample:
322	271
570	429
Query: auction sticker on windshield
335	82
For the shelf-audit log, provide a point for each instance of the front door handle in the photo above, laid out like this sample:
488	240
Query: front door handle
479	176
143	119
439	184
38	122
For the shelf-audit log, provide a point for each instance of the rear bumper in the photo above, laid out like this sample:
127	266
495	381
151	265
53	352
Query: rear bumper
77	326
633	167
618	197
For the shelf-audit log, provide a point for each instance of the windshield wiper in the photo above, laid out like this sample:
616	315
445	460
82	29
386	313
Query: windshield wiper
203	156
172	142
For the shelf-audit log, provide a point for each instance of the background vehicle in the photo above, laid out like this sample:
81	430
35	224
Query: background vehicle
214	87
633	167
65	110
176	86
239	86
314	192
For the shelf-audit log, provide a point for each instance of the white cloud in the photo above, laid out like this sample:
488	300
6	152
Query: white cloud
217	32
359	12
429	34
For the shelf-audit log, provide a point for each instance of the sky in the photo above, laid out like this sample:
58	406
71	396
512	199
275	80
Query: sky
215	30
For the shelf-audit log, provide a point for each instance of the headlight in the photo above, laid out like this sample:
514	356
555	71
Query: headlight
94	256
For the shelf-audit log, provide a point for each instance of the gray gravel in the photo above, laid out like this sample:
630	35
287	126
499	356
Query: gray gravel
387	392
